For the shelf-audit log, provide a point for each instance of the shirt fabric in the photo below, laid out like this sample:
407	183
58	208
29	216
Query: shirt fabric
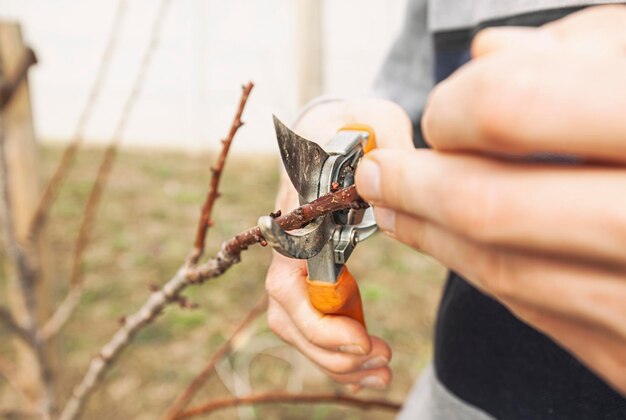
487	363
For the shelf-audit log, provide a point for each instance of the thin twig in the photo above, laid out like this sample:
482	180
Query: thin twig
62	169
8	372
64	312
27	276
188	274
216	172
230	253
13	326
288	398
185	397
17	414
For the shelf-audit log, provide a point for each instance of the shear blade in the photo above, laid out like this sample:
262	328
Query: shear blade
303	161
308	243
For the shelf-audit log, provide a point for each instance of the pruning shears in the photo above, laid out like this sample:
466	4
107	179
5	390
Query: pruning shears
328	241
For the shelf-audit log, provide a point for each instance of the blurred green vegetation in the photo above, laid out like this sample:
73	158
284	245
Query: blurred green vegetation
145	228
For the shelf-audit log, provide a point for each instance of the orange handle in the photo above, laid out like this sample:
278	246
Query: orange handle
371	142
343	296
339	298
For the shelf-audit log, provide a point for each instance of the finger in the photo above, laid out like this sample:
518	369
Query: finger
588	293
517	39
286	284
505	204
594	31
523	104
334	362
374	378
596	28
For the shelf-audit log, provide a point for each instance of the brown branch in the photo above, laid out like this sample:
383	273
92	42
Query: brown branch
185	397
231	250
288	398
8	372
65	163
27	276
9	87
64	312
188	274
205	221
16	414
13	326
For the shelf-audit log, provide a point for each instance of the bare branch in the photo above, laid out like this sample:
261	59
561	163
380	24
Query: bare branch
60	174
64	312
189	274
9	321
185	397
216	173
231	250
15	414
27	276
288	398
8	372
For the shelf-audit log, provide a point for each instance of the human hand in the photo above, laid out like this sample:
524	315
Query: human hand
545	239
339	345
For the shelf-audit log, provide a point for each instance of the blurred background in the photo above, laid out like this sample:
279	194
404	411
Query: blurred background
292	50
144	227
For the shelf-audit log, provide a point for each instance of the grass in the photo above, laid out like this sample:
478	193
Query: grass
144	229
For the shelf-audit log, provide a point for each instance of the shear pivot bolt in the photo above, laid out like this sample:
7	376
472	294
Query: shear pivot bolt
354	238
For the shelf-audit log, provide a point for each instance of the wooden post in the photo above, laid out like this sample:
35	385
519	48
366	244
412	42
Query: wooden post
22	155
309	50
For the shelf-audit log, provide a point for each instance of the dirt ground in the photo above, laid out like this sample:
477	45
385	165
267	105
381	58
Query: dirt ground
143	231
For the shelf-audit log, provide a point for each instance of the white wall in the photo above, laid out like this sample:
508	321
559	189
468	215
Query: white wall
207	49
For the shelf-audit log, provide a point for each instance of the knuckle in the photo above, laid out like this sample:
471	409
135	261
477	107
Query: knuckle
276	321
481	41
502	84
314	334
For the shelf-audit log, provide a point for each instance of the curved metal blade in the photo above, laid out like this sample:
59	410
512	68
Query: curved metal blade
304	245
303	160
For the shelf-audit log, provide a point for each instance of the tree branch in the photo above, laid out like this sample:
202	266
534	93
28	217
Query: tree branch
8	372
62	169
288	398
9	321
63	313
216	172
185	397
27	276
188	274
230	253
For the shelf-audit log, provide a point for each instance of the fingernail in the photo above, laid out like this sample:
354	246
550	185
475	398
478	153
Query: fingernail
352	349
373	382
385	219
368	180
375	362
